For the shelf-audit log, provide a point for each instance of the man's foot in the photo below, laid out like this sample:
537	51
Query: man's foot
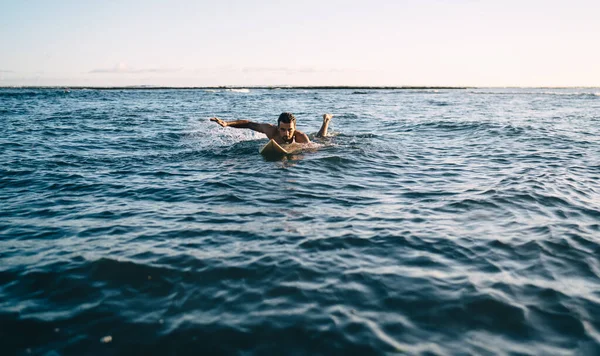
323	131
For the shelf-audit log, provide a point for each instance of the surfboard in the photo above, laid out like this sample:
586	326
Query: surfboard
273	149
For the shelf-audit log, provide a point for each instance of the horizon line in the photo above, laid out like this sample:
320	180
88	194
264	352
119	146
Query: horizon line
363	87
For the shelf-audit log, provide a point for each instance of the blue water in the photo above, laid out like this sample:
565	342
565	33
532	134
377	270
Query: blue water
431	222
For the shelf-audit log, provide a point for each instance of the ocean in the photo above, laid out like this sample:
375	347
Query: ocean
429	222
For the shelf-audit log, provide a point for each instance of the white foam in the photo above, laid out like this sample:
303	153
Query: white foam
205	135
244	90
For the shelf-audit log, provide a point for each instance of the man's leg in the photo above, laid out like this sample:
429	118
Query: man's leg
323	131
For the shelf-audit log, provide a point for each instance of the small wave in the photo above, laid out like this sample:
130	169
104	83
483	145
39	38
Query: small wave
529	92
244	90
570	94
438	103
490	128
453	125
412	91
365	135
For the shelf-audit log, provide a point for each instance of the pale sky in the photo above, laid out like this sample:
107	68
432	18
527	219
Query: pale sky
325	42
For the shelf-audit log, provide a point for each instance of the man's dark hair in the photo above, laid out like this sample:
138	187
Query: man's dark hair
287	118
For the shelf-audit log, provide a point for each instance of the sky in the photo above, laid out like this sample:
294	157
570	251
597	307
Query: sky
276	43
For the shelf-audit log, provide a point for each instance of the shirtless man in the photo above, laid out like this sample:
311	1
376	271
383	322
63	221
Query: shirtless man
284	133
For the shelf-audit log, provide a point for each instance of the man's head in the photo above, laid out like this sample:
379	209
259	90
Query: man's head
286	125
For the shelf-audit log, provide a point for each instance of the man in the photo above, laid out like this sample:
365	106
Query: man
284	133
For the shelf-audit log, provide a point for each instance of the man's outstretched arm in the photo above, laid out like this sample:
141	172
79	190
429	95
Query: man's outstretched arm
323	131
245	124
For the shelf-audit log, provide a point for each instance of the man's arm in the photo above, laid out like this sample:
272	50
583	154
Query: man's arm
245	124
301	137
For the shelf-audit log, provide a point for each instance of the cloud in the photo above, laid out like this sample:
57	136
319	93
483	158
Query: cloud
287	70
291	70
125	69
275	70
6	71
278	70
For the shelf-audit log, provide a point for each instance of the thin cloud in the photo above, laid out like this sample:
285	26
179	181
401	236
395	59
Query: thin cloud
6	71
288	70
299	70
125	69
276	70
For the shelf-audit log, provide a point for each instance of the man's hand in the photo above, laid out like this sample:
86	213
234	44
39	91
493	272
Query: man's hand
218	121
327	117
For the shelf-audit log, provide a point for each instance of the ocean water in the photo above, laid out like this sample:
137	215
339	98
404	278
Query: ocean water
435	222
